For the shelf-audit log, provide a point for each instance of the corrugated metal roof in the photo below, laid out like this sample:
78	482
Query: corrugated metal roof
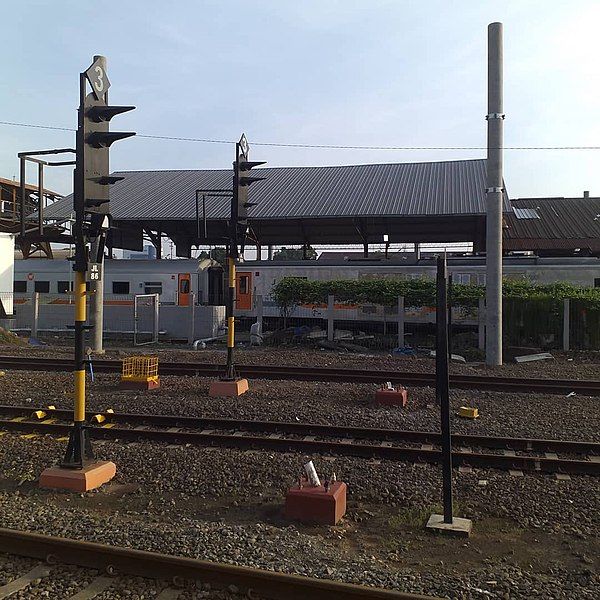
402	189
552	244
560	219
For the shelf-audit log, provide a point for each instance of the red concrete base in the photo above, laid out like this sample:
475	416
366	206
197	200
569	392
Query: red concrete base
228	388
395	397
90	477
315	505
140	385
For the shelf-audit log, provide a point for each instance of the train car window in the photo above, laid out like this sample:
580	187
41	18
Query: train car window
184	286
120	287
20	287
244	284
153	287
42	286
64	287
597	282
464	278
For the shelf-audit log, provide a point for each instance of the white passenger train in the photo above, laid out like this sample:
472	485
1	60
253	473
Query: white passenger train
176	280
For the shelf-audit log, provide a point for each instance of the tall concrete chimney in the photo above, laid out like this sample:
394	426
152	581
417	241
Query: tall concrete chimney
586	194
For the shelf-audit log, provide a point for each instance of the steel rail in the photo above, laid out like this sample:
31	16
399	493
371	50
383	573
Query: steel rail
478	382
305	429
128	561
339	448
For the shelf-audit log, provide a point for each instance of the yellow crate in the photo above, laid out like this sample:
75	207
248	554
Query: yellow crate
468	412
140	369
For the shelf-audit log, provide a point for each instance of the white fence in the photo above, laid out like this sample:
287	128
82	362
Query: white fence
41	313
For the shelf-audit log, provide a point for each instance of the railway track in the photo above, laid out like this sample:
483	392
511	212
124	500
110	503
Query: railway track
537	455
115	561
478	382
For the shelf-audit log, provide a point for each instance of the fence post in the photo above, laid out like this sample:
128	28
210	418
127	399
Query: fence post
566	324
35	313
481	323
401	342
192	328
330	323
259	311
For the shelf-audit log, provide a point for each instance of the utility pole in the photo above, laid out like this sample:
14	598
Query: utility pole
494	198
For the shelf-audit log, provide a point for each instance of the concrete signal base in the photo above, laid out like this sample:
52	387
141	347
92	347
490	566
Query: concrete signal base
92	476
228	388
316	504
394	397
151	384
458	527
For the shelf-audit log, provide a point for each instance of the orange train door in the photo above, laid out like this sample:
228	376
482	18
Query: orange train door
183	289
243	291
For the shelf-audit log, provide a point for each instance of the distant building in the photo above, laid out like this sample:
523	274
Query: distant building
7	269
148	253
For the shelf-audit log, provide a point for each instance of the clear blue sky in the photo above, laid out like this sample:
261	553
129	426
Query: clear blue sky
371	72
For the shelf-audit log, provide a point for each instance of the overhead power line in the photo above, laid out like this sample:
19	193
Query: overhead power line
319	146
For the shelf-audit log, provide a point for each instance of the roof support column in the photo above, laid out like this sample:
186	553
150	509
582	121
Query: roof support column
156	240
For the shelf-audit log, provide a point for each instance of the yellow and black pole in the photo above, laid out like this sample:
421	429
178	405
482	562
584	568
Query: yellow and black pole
79	371
79	448
230	370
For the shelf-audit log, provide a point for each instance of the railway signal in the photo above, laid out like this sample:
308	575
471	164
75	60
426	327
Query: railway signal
94	146
242	180
91	181
230	384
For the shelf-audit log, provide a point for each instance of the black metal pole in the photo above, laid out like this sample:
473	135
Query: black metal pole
41	198
204	215
197	216
450	315
442	383
22	183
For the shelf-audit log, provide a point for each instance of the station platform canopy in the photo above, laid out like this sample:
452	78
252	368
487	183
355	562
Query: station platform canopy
359	204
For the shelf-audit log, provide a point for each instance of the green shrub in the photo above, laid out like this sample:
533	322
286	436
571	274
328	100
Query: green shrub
291	291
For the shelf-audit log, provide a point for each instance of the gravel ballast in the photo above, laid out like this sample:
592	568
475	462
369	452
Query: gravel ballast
501	414
534	536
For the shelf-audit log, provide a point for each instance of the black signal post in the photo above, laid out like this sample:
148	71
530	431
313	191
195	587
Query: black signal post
442	383
238	228
91	182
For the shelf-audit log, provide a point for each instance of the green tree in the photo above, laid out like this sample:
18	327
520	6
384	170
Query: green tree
294	254
218	253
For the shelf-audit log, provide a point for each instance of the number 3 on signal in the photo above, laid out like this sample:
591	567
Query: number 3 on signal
99	84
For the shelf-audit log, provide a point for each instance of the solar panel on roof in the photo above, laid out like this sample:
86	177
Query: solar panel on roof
526	213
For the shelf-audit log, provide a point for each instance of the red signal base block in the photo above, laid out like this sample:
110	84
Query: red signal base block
92	475
236	387
315	505
151	384
396	397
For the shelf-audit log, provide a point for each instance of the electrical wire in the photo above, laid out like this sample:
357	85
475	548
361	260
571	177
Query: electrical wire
318	146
